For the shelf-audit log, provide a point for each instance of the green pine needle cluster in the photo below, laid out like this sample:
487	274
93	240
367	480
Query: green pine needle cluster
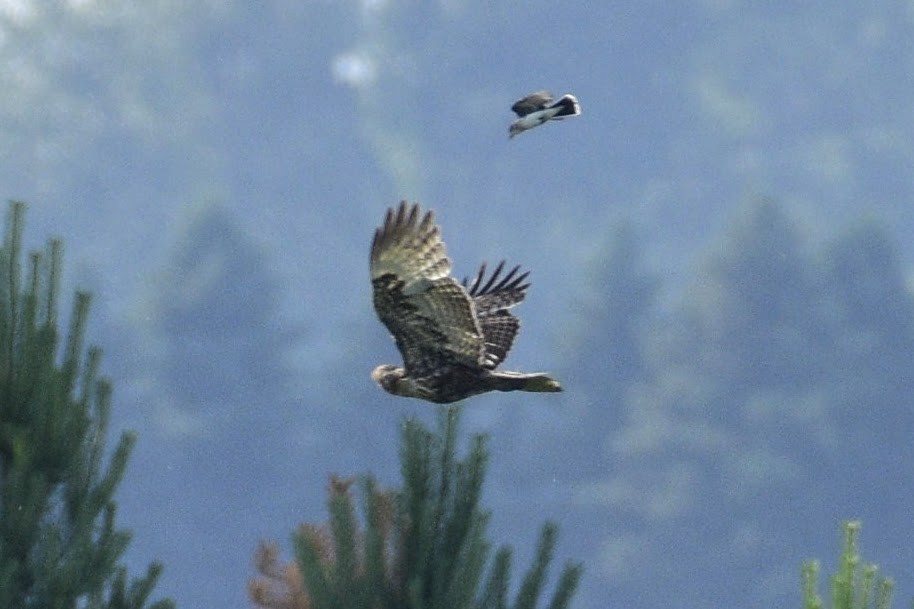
59	546
856	585
423	547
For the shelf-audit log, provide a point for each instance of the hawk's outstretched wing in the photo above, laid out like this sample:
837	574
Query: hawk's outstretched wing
493	299
428	313
532	103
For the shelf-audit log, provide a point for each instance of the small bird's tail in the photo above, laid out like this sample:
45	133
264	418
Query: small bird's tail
537	382
569	106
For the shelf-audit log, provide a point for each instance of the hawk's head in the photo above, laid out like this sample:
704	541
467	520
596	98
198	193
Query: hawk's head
394	380
388	377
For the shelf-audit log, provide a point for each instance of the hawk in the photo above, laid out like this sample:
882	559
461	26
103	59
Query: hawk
539	107
452	335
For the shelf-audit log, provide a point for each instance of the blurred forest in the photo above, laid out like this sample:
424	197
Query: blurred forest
718	247
777	380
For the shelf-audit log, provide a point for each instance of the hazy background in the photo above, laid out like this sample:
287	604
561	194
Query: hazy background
720	252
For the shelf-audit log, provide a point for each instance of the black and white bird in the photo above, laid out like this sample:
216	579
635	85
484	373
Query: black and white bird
539	107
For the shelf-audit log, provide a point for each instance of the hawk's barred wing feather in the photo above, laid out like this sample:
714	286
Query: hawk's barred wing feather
428	313
420	325
493	298
497	289
410	249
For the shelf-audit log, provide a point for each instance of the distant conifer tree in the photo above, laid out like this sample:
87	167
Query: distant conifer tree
58	544
422	547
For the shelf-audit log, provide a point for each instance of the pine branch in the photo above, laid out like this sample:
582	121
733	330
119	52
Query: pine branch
423	547
568	584
855	585
59	545
495	593
533	581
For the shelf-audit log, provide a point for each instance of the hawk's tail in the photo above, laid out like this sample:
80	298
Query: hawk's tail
537	382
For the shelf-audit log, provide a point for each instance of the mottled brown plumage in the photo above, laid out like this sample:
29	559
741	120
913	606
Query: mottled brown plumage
451	335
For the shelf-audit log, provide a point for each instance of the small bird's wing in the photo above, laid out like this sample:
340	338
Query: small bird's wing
493	298
566	106
429	314
532	103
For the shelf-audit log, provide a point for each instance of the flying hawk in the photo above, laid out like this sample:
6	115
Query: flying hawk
539	107
451	335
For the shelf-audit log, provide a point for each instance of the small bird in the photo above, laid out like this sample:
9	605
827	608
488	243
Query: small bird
452	335
539	107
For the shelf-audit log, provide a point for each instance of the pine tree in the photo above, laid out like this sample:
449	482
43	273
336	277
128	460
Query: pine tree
422	547
59	547
855	585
